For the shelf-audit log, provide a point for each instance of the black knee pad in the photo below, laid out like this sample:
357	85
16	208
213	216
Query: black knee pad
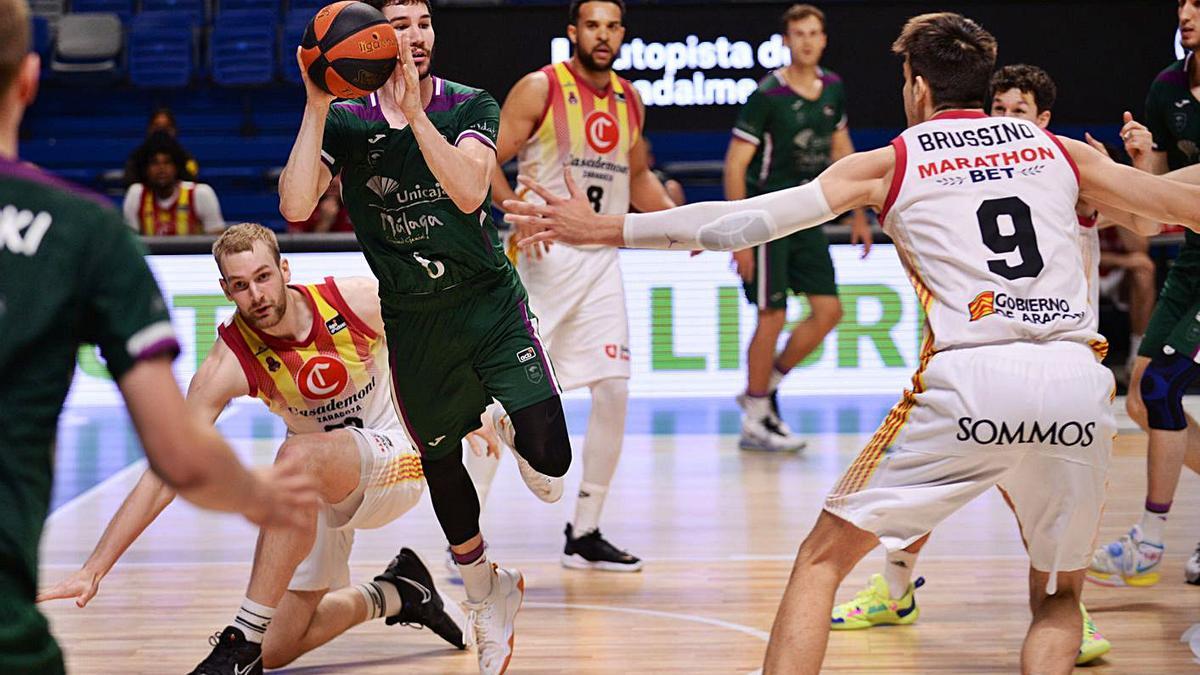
453	495
1164	383
541	436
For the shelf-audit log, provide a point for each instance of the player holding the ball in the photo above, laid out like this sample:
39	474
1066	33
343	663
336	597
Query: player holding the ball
415	158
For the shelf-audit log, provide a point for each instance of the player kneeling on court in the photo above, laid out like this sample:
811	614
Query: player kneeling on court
315	355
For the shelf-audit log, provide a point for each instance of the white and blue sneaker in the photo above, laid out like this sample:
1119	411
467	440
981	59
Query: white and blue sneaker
1128	561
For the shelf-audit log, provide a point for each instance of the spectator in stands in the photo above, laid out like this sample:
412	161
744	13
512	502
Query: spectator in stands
329	216
160	202
162	119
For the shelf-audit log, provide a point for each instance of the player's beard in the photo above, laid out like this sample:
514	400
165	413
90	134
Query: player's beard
590	63
272	318
428	65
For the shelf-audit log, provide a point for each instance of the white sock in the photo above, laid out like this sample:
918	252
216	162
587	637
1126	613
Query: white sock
757	407
588	507
1135	343
1152	527
898	572
254	619
383	599
477	578
776	379
601	450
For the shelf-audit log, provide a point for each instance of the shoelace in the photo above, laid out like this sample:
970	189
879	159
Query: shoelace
214	639
607	546
475	633
867	595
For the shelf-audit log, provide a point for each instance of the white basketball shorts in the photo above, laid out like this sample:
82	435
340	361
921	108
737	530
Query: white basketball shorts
1033	419
578	295
390	483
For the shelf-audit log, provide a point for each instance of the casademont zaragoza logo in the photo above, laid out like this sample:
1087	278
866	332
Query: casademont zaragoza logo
983	305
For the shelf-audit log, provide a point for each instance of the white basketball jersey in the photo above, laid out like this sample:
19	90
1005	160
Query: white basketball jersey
982	211
591	131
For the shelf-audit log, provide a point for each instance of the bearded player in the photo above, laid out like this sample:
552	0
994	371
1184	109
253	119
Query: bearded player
580	113
315	355
415	160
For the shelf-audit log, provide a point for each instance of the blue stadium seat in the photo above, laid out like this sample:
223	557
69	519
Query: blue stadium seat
192	9
122	8
293	30
238	5
242	48
160	50
310	6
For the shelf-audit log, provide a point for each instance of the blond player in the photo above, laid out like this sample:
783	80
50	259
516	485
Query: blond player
1010	391
579	113
315	355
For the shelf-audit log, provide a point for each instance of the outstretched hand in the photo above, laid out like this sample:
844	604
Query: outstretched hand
82	586
570	220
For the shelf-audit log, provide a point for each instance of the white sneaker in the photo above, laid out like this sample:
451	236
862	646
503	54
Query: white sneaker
1191	569
493	621
546	488
1128	561
767	431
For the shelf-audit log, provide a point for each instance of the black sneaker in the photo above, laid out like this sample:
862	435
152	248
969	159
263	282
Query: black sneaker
422	606
231	655
593	552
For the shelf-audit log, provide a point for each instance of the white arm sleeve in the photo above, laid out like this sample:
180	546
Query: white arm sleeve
208	209
730	226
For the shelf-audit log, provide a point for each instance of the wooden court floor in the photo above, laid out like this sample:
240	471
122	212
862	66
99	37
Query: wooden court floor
718	529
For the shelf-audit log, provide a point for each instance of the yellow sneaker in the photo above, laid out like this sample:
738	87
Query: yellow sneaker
1093	645
873	606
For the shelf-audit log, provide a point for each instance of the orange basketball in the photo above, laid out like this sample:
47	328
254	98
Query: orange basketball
348	49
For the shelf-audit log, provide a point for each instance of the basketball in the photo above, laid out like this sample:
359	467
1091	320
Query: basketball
348	49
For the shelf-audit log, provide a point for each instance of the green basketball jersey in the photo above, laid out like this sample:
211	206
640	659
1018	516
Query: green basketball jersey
417	242
71	272
1173	117
794	134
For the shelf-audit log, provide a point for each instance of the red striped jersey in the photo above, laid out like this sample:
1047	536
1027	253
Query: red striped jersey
591	130
337	376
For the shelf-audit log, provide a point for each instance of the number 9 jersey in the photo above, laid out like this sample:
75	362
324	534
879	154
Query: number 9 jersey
982	212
